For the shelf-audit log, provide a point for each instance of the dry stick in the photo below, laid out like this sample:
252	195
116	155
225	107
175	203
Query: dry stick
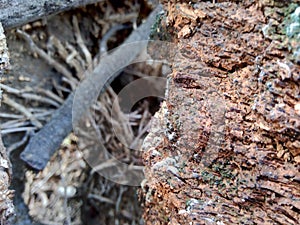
18	144
14	124
39	98
101	199
61	69
50	94
84	49
23	110
68	57
10	116
18	129
43	145
31	96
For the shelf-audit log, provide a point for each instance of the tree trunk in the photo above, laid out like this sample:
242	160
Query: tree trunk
18	12
6	195
225	146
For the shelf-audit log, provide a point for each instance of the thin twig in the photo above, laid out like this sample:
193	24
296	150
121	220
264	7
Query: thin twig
139	136
23	110
100	198
42	115
61	69
80	42
121	191
75	53
10	116
18	144
68	81
31	96
60	88
40	99
143	121
14	124
50	94
16	130
108	35
67	57
65	204
123	121
10	89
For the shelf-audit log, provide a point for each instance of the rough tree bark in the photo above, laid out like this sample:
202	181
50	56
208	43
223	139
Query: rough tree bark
225	146
6	195
17	12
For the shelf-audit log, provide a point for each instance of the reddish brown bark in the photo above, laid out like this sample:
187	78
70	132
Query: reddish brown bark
242	56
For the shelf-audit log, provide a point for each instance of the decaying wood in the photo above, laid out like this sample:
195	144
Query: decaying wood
4	55
247	53
14	13
6	195
6	200
43	145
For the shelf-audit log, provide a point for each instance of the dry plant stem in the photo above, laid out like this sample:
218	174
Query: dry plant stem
18	144
40	99
14	124
100	198
107	36
50	94
134	143
10	89
23	110
43	145
66	209
68	57
80	42
123	18
76	58
107	164
119	199
123	123
31	96
18	129
64	79
143	121
34	48
11	116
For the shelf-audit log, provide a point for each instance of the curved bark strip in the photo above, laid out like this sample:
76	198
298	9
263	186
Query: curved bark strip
14	13
40	148
247	52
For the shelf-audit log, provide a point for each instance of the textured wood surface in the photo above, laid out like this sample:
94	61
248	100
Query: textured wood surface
6	195
224	147
17	12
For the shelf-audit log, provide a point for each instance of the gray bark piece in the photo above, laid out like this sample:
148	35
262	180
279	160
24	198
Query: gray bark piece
14	13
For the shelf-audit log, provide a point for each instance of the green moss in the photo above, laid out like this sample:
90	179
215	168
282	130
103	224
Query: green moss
159	32
287	32
292	24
